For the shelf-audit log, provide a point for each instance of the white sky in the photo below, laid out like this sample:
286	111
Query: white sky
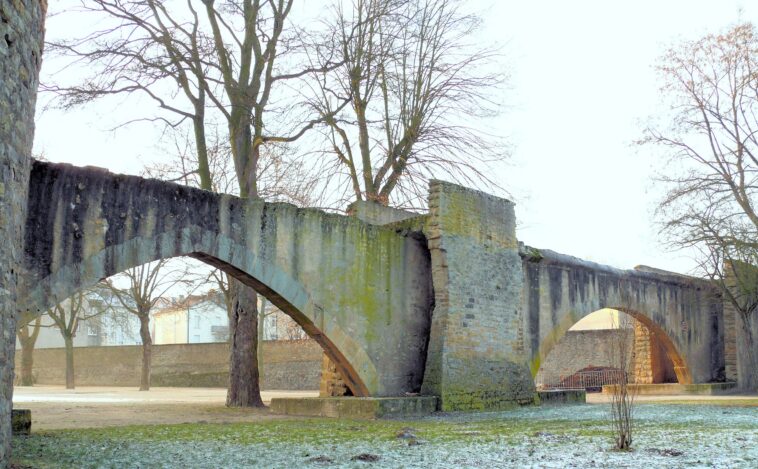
582	87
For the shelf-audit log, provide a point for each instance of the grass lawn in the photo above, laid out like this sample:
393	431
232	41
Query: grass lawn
667	435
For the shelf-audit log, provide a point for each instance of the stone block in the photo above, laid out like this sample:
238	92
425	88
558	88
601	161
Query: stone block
21	421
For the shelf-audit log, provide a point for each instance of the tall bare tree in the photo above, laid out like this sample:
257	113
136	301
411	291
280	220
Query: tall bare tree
711	137
226	53
145	286
27	331
67	315
142	48
418	89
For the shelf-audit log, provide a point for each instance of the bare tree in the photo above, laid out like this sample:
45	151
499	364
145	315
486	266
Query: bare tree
67	315
622	395
27	332
144	49
280	178
231	63
247	57
146	285
417	89
711	137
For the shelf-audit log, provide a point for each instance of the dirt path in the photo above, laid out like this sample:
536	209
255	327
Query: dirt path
725	399
54	407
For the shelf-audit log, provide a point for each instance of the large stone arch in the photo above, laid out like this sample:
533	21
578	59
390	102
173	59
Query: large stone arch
363	292
219	251
682	313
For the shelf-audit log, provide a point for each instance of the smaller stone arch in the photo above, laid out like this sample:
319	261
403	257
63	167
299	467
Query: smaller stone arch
682	313
655	331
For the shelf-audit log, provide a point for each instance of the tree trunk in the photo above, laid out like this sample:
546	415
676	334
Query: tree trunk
259	342
244	379
244	387
27	362
147	350
69	341
747	355
27	337
203	167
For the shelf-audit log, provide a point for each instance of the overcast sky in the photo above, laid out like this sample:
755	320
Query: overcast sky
581	90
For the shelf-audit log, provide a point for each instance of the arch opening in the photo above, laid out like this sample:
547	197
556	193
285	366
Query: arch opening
340	361
66	281
586	353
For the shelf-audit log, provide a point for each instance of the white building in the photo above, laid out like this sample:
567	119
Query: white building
194	319
191	320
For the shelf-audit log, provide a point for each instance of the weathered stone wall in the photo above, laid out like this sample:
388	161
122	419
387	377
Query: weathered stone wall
362	291
332	384
377	214
741	350
288	365
685	314
474	361
21	36
651	363
585	348
730	342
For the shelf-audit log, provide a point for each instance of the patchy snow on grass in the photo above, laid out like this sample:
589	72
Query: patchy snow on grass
672	436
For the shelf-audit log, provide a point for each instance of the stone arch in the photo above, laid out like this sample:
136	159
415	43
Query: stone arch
681	367
237	260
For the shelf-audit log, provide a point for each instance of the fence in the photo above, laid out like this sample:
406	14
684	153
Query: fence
591	380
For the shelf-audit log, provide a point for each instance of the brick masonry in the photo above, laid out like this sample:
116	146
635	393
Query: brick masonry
331	383
21	39
287	365
474	361
651	363
730	341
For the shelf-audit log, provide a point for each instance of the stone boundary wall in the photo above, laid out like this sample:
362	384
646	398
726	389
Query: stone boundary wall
575	351
584	348
288	365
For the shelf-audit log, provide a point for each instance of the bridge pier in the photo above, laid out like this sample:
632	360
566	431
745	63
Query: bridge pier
475	360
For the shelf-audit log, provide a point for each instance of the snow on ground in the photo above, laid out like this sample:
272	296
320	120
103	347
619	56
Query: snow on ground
672	436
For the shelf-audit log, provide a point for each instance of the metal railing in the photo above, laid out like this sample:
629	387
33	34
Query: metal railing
590	380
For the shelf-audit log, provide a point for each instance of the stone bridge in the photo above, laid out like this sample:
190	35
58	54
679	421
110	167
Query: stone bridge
447	303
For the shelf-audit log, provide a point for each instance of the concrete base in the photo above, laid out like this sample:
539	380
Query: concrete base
562	396
355	407
21	421
673	389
